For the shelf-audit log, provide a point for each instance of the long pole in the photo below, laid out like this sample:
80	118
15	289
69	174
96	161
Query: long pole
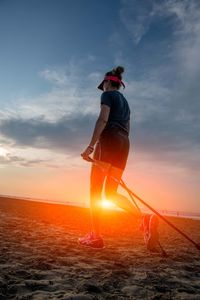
131	196
161	217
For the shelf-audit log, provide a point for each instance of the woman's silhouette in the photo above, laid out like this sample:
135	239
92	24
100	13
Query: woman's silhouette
111	141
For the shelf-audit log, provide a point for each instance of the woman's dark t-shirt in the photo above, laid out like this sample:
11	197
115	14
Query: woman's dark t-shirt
119	110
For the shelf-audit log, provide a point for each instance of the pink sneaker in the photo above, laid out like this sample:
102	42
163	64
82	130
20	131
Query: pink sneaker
153	233
149	226
89	240
144	227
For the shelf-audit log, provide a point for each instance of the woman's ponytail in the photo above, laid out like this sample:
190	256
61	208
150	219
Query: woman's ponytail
118	71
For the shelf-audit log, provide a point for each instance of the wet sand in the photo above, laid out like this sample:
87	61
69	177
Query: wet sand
40	258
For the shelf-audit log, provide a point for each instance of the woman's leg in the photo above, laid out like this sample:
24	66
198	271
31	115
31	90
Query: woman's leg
111	192
96	186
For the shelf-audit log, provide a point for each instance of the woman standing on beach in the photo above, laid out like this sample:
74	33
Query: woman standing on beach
111	136
111	141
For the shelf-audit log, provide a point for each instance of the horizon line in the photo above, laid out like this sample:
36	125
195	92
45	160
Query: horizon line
177	213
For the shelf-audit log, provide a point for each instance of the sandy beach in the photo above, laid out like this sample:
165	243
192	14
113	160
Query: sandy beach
40	257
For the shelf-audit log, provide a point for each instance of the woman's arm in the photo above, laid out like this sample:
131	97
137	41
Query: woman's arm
99	127
100	124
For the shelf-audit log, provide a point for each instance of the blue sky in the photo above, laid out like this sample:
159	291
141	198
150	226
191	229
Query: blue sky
53	54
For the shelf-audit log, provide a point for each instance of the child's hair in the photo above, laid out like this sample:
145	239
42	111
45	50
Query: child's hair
116	72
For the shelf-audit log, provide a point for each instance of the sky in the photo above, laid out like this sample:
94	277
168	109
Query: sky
53	55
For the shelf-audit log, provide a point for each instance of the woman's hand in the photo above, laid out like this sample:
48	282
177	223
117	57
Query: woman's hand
85	154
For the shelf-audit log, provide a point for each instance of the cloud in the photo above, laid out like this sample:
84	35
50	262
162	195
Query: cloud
71	92
68	134
186	27
186	57
161	129
60	120
165	116
165	99
23	162
60	76
136	16
94	76
56	77
91	57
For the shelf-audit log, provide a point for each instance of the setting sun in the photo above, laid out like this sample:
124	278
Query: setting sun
107	204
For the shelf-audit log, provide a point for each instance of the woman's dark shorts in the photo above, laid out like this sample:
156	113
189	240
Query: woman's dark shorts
113	147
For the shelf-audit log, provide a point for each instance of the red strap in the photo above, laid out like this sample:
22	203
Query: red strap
114	78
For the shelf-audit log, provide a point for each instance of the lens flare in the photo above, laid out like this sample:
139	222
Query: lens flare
107	204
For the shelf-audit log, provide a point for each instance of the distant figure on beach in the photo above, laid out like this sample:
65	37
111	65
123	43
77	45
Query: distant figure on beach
110	143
